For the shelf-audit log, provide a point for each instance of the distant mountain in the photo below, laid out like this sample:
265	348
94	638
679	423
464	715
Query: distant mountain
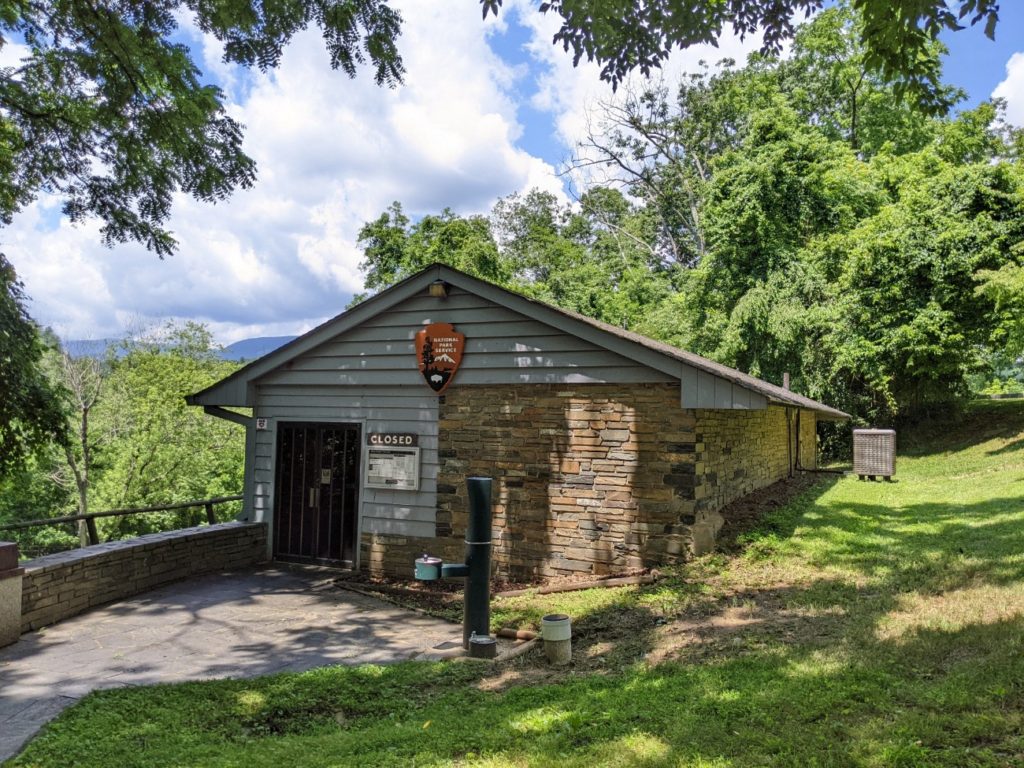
250	349
88	347
246	349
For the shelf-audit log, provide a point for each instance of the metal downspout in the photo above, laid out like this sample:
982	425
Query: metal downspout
789	442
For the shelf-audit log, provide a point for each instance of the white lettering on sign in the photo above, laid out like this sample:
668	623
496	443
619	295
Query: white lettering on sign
389	438
445	347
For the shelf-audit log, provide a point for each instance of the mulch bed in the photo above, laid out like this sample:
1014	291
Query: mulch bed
443	597
745	515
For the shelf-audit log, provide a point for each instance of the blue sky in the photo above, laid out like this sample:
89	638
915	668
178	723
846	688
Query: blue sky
493	110
978	64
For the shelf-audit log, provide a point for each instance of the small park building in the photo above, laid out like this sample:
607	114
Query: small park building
609	451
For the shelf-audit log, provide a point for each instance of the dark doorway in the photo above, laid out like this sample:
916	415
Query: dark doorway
317	501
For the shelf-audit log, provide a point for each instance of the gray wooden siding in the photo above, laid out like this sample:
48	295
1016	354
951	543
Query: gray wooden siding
370	375
502	347
700	389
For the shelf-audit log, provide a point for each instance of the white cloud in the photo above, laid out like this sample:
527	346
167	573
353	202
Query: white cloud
1012	89
573	95
11	54
332	154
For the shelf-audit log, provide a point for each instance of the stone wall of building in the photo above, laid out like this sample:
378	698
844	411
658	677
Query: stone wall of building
742	451
592	478
385	554
808	440
57	586
588	478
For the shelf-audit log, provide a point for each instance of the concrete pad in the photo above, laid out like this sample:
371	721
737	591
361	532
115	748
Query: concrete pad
227	625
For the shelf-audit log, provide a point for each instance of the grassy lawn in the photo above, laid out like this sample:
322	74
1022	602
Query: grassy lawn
866	624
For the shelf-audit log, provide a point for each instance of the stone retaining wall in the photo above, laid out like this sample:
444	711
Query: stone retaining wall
67	583
10	593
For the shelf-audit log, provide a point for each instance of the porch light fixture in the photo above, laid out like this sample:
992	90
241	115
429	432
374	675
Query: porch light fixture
439	289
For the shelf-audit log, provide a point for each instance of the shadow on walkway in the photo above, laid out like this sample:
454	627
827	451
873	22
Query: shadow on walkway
242	624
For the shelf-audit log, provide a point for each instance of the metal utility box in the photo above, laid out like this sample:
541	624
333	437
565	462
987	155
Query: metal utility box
874	453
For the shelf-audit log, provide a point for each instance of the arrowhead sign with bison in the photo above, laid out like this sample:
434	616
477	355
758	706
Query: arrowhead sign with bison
439	351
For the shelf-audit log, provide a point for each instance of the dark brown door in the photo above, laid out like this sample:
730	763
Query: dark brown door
317	502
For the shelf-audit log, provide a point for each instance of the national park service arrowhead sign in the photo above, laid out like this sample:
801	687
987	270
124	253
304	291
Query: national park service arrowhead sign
439	351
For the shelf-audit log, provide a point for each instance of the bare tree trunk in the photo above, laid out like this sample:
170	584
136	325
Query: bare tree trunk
83	380
82	488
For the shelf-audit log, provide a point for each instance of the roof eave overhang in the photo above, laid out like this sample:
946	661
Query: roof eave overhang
239	389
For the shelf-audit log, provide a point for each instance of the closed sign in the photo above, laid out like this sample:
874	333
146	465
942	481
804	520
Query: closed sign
392	439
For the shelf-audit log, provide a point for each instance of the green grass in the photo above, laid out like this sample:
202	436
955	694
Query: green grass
863	624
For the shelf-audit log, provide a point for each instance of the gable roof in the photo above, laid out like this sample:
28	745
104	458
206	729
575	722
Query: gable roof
695	371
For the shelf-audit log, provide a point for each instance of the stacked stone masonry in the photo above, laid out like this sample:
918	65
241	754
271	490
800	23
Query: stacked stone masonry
595	478
383	554
747	450
65	584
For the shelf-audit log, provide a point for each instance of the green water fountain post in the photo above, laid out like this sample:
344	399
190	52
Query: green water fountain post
476	616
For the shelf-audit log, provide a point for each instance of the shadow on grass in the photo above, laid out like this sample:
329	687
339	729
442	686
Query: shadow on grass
949	698
1013	447
983	421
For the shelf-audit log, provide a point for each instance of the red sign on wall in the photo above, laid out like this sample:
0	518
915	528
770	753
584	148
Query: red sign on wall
439	350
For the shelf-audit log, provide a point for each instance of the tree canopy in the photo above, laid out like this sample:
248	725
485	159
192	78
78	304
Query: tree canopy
111	113
625	35
30	412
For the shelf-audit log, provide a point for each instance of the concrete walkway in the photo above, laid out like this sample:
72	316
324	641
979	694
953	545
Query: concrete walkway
224	625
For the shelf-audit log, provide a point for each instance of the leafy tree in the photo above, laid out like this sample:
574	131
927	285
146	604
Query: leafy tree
602	263
1005	288
133	441
752	301
110	113
911	326
827	80
662	157
30	414
859	277
162	450
395	249
660	146
81	381
30	493
594	259
896	35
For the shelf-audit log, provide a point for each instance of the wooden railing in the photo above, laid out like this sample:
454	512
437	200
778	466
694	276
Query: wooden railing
90	518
